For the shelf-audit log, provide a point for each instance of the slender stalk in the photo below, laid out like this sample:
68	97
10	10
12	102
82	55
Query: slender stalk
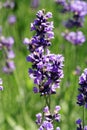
48	100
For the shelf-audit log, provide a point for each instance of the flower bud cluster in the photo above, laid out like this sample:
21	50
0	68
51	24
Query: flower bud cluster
47	122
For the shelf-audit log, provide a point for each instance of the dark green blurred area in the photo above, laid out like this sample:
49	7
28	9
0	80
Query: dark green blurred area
18	103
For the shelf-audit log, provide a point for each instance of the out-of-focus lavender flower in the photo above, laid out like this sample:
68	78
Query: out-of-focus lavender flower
76	38
79	7
82	97
1	87
11	19
10	67
7	44
9	4
34	3
77	71
70	23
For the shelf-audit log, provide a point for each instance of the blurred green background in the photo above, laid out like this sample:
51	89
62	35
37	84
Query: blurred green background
18	103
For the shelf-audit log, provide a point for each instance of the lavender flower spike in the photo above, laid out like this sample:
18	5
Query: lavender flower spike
46	70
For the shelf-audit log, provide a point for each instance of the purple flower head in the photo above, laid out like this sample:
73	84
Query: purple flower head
11	19
76	38
82	97
1	87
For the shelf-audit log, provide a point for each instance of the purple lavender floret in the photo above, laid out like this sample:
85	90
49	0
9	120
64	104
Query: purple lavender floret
76	38
1	87
82	97
74	22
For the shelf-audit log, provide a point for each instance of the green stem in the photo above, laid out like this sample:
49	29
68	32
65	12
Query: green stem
48	100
